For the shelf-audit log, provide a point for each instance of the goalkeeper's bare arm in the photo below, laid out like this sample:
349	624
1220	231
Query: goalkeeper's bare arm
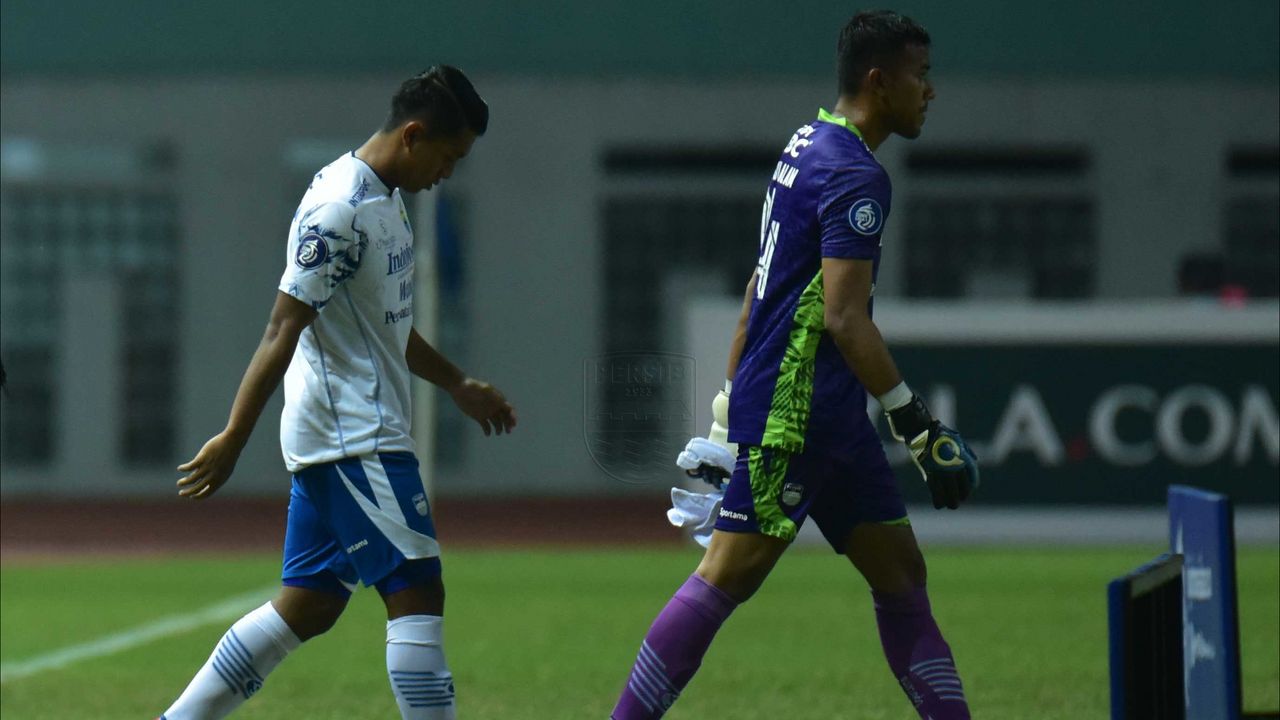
847	291
740	333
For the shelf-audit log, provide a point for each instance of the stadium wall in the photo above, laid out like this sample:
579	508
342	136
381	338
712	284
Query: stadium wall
1236	39
236	152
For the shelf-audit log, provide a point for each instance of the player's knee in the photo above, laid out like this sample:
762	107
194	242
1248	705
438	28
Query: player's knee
321	623
736	582
415	588
738	563
902	573
312	615
739	577
914	569
420	599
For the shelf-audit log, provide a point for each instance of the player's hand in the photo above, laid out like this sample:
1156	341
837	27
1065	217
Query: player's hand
950	468
707	460
210	468
483	403
711	459
948	465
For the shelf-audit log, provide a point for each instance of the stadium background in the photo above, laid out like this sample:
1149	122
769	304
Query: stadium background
1080	269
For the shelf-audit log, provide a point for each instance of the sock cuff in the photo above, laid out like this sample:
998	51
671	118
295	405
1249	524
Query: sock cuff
912	602
416	630
267	619
716	601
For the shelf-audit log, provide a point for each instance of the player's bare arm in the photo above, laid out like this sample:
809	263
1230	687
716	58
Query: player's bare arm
479	400
846	292
212	466
946	462
740	333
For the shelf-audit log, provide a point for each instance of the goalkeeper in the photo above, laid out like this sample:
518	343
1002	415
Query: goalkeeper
805	355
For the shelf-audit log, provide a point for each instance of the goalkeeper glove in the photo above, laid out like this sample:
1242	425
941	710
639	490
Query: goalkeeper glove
712	458
949	467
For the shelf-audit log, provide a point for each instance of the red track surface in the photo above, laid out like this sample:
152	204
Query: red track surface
33	529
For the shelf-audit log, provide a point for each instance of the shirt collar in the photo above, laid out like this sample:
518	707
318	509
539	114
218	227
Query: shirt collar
840	120
376	183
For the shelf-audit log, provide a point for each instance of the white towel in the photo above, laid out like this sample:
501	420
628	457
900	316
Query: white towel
696	511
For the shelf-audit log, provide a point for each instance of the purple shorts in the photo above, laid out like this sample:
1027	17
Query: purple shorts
772	492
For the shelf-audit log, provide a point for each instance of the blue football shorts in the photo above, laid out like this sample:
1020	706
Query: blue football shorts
360	519
772	491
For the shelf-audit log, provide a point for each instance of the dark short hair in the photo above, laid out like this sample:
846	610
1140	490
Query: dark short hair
443	99
873	39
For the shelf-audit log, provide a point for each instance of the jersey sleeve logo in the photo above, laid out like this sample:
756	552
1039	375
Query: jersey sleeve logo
312	251
866	217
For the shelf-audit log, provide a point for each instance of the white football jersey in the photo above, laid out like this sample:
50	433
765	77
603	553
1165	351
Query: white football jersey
346	392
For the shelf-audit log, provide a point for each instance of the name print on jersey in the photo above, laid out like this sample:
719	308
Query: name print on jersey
785	175
769	229
799	141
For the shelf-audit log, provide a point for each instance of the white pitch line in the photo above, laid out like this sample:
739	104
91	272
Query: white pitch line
230	608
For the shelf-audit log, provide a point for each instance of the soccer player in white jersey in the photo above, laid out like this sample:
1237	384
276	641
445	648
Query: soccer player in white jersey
340	336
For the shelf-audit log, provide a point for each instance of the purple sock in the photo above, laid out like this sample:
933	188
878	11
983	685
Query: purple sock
918	656
673	649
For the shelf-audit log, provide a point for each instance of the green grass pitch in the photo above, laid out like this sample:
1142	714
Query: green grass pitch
551	634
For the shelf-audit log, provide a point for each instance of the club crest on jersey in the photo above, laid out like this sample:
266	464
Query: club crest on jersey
312	251
866	217
792	493
420	504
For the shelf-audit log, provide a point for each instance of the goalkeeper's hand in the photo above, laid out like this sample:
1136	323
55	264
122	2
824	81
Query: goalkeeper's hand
948	466
712	458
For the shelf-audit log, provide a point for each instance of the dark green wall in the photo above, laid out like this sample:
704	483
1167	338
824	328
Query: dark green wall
1236	39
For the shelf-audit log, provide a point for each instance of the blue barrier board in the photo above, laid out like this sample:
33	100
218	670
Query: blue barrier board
1201	530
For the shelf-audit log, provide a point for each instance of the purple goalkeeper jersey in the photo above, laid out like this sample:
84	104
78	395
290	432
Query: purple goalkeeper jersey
828	197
